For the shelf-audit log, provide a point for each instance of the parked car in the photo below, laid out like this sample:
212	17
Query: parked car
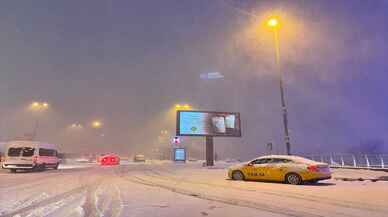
281	168
30	155
139	158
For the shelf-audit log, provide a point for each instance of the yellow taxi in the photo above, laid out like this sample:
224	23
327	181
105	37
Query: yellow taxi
281	168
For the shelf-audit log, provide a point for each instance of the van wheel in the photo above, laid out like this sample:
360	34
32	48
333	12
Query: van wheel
35	168
42	167
13	170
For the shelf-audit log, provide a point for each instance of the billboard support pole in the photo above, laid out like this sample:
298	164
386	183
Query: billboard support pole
209	151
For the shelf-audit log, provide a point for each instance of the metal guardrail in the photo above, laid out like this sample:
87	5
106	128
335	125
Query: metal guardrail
356	161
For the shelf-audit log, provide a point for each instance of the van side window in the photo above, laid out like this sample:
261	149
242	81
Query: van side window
47	152
14	152
28	152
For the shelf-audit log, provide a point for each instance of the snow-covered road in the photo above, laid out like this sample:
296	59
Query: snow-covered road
166	189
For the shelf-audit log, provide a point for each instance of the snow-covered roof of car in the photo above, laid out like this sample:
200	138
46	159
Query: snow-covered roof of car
290	157
35	144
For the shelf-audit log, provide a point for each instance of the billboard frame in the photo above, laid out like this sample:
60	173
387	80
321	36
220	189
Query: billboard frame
178	112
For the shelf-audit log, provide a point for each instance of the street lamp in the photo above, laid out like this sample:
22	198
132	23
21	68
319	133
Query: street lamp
96	124
273	23
183	107
186	106
178	106
37	107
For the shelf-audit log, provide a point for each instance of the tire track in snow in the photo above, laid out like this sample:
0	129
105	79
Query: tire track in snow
309	198
82	181
229	201
44	202
103	199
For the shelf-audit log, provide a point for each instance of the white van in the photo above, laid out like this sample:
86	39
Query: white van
30	155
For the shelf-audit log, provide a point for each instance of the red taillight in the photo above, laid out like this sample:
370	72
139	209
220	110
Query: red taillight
112	159
103	159
313	168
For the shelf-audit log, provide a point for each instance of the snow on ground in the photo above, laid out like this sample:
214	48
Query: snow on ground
329	198
144	201
73	203
356	174
26	191
75	165
165	189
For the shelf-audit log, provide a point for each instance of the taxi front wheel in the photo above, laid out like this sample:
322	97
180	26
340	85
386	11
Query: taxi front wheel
237	175
293	179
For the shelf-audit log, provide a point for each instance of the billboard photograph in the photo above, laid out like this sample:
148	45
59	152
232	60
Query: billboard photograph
204	123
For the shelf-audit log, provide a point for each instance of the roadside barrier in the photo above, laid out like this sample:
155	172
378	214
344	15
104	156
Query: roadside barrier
353	161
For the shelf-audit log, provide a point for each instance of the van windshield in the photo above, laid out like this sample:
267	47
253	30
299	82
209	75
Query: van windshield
14	152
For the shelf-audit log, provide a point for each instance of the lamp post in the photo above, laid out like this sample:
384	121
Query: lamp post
37	107
96	124
273	23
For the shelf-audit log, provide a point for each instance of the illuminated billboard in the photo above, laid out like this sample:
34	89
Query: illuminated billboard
203	123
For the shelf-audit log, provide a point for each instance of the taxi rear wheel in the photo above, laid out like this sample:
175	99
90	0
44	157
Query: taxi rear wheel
238	175
293	179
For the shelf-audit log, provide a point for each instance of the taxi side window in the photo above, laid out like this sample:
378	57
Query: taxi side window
261	161
280	160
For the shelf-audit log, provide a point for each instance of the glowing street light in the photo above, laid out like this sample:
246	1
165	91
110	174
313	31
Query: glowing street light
35	104
39	105
183	107
273	23
186	106
96	124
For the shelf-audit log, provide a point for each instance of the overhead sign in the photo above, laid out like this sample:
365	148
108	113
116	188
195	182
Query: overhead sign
204	123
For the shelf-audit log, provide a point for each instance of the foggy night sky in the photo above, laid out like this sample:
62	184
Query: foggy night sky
128	62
